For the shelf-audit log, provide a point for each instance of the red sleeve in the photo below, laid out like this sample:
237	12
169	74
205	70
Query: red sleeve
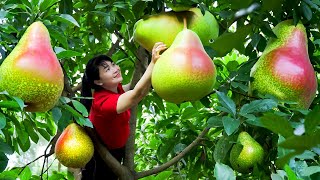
109	105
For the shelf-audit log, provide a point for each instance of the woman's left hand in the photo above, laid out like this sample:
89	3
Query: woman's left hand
157	48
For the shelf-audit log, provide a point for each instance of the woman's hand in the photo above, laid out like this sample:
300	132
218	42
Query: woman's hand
157	48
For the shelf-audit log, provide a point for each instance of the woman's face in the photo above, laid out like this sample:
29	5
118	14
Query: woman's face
110	75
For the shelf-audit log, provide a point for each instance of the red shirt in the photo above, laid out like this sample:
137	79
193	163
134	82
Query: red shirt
113	128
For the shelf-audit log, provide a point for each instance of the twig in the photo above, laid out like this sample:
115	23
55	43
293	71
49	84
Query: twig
52	144
175	159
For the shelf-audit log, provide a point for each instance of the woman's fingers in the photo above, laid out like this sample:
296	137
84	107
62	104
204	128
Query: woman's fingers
157	48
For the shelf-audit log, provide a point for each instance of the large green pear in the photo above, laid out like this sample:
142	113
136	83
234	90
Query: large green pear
284	68
164	27
32	71
246	153
74	148
184	72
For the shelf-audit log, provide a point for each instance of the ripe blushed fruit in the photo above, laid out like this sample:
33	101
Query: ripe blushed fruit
32	71
184	72
74	147
284	68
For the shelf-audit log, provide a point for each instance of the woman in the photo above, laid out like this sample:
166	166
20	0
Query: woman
110	107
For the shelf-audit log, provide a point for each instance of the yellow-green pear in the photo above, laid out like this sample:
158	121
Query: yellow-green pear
184	72
165	26
246	153
162	27
74	147
32	71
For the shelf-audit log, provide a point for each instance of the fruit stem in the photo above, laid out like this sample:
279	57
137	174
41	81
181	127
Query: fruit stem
185	23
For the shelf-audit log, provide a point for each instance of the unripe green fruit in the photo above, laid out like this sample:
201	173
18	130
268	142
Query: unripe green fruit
74	147
164	27
246	153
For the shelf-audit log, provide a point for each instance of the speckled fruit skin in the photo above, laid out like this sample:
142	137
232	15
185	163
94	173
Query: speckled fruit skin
32	71
284	69
184	72
74	147
246	153
164	27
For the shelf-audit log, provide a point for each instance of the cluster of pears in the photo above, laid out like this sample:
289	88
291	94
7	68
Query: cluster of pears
184	72
32	71
246	153
74	148
284	68
165	26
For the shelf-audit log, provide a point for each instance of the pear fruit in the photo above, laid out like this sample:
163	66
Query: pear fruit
32	71
184	72
245	153
284	68
162	27
165	26
74	147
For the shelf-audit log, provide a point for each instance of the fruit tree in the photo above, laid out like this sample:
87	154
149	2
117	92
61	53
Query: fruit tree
251	111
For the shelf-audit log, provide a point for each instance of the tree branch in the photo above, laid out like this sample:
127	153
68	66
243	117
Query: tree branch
140	65
175	159
121	171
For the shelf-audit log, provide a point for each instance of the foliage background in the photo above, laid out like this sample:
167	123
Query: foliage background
84	28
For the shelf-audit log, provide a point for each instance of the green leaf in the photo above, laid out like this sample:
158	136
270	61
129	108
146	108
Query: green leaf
290	173
227	103
24	146
281	162
67	54
215	121
57	34
84	122
9	174
277	124
307	13
56	114
179	148
274	5
25	174
312	120
163	175
189	112
222	44
222	171
70	19
10	105
44	134
308	171
165	148
80	107
230	124
3	121
257	106
19	101
266	29
45	4
304	142
3	161
5	148
221	150
31	131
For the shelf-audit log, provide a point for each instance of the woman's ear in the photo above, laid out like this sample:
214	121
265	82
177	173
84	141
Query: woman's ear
98	82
